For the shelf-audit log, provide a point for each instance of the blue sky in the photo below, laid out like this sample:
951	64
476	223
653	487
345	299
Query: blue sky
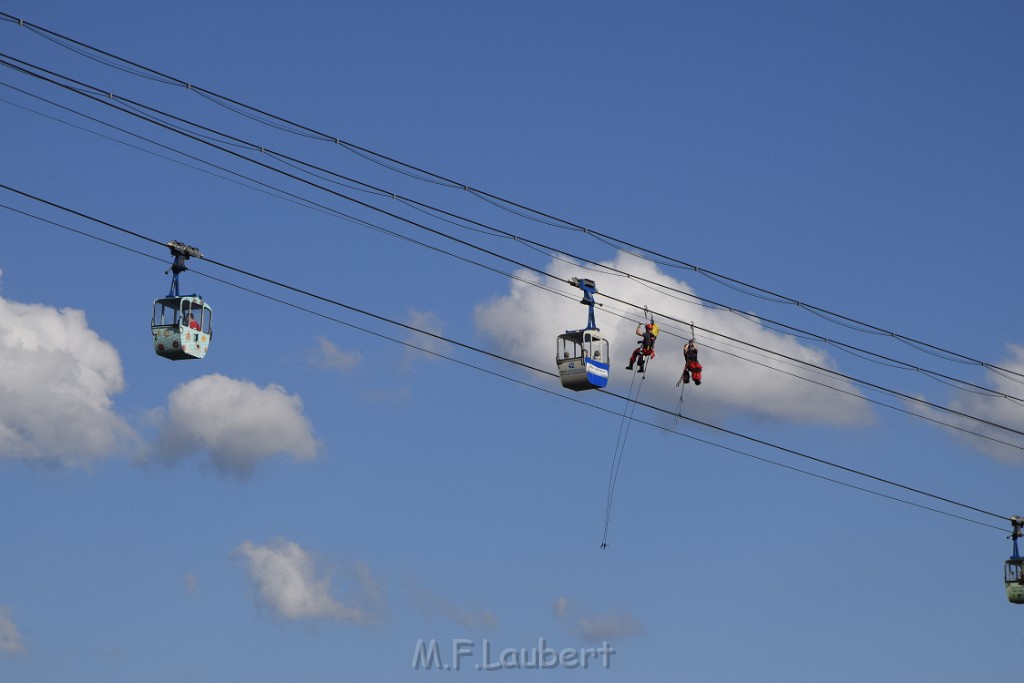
312	500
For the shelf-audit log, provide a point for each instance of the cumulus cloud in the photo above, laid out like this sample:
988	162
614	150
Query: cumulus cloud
236	422
431	606
286	579
59	377
330	356
595	628
10	639
994	409
525	323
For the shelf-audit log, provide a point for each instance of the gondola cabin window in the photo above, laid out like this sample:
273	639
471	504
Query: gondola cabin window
182	327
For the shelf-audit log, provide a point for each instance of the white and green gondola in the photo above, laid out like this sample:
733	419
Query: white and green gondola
182	326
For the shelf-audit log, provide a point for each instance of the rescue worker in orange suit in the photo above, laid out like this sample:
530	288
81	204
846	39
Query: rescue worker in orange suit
693	367
645	348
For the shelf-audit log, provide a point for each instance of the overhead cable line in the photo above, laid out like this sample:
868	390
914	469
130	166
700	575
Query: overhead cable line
260	186
201	139
836	373
390	214
273	192
520	209
207	141
512	361
861	397
550	392
276	192
667	330
874	357
109	102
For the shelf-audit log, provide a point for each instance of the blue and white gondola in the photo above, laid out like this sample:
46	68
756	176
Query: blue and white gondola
582	356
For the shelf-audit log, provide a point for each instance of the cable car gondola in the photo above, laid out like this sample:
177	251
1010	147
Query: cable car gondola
1013	568
182	326
582	355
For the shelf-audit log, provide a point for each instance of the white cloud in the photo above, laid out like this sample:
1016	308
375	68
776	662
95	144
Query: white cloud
238	423
431	605
525	323
10	639
58	377
329	355
596	627
995	409
428	321
286	579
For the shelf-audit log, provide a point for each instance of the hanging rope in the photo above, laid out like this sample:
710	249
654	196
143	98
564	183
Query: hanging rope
620	445
679	404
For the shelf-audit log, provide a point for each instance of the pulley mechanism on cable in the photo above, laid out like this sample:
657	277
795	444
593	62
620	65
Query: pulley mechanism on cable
182	326
1013	568
582	355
